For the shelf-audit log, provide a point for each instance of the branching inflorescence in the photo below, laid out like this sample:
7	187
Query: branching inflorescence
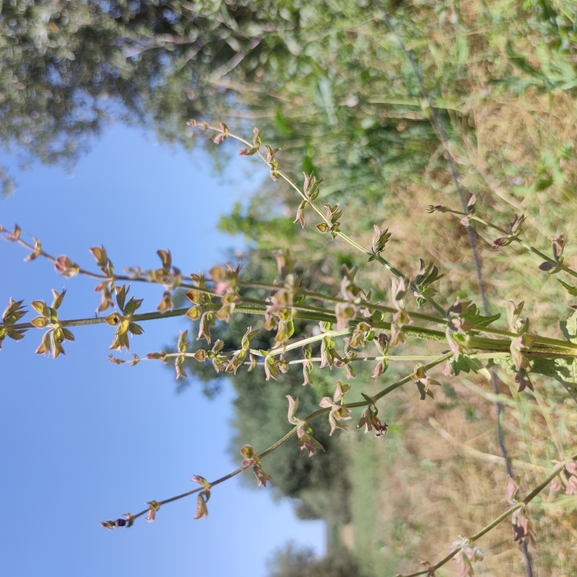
351	323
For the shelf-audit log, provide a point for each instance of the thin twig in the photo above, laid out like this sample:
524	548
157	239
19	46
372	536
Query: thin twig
370	401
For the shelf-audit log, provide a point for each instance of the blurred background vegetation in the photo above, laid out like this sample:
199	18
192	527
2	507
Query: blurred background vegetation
328	83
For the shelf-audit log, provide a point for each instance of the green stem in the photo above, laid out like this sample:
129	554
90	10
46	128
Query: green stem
303	342
440	103
283	440
363	303
516	239
102	320
396	358
543	346
365	359
495	522
555	346
409	378
396	272
554	343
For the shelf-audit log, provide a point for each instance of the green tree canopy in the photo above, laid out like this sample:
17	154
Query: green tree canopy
293	562
68	67
298	68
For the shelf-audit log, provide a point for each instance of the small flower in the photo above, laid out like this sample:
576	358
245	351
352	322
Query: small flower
467	555
66	267
201	508
261	477
513	489
154	507
251	458
522	527
306	441
293	406
424	383
370	420
337	414
203	496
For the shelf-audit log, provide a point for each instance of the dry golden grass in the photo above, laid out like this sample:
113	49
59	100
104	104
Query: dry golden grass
445	476
440	473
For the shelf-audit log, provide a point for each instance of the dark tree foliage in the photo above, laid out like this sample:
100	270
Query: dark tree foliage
292	562
299	69
69	66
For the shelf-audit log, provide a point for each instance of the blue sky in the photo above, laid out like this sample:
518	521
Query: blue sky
83	440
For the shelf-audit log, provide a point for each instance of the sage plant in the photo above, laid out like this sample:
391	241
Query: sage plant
353	328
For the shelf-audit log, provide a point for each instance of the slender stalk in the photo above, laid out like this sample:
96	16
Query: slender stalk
364	359
431	569
543	347
390	267
516	239
554	346
409	378
278	443
362	302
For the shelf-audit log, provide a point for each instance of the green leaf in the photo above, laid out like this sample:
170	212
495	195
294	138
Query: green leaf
282	124
572	290
68	334
474	316
307	164
121	296
248	335
52	315
521	63
40	307
544	183
135	329
565	370
462	48
569	328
